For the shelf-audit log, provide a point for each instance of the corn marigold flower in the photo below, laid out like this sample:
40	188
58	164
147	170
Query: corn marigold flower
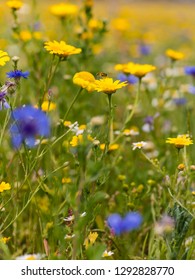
4	57
108	86
119	225
61	49
180	141
63	10
29	122
15	5
174	55
48	106
138	70
138	145
85	79
4	186
17	74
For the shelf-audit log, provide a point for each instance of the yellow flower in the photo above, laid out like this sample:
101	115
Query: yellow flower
95	24
180	141
4	186
67	123
138	70
77	140
5	239
112	147
85	80
4	57
16	5
88	3
181	166
66	180
62	10
174	55
108	86
90	240
48	106
61	49
25	35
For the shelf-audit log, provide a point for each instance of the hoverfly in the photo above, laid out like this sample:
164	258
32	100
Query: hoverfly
101	75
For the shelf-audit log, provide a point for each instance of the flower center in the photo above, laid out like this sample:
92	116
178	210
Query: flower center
29	128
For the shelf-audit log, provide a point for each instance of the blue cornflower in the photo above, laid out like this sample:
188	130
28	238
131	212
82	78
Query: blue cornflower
17	74
180	101
144	49
131	79
190	70
29	122
119	225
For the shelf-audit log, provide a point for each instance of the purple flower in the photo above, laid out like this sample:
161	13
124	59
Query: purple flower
17	74
180	101
191	89
131	79
3	101
119	225
144	49
29	122
190	70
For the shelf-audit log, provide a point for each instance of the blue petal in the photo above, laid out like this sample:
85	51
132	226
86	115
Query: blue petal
114	221
131	221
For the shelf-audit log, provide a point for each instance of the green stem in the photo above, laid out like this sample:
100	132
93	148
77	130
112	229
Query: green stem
129	117
52	70
81	182
110	120
73	102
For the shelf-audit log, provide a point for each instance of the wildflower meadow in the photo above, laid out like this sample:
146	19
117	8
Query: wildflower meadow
97	130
